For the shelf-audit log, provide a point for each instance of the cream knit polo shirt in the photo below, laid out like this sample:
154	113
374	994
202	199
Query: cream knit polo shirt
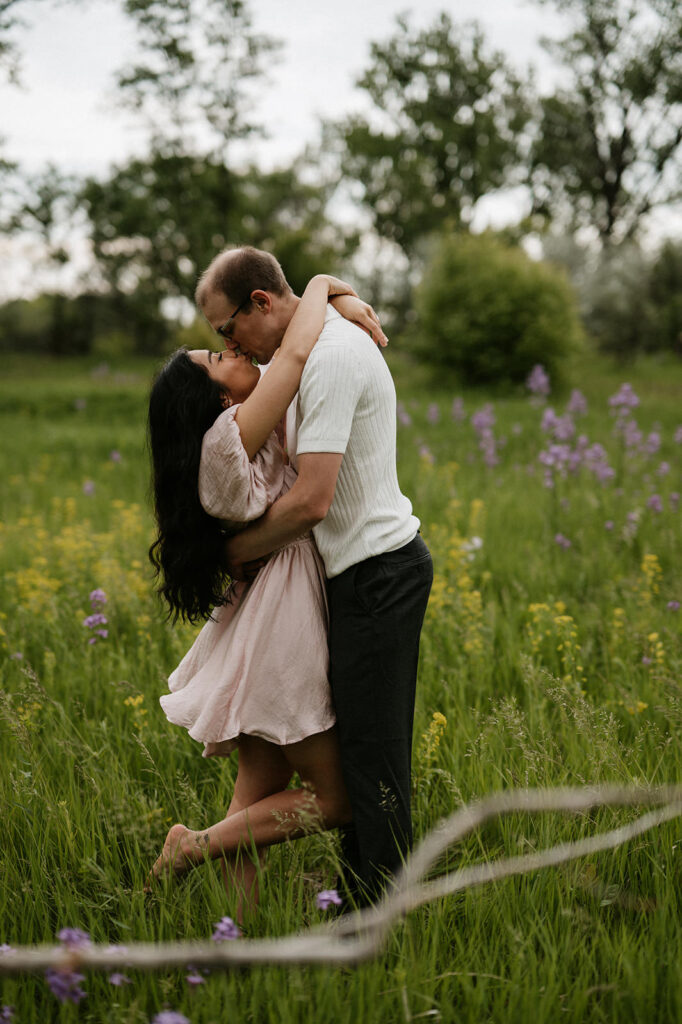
347	405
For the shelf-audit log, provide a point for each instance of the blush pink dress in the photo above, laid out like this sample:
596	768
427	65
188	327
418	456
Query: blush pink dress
260	666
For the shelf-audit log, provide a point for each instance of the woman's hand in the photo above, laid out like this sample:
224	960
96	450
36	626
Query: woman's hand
361	313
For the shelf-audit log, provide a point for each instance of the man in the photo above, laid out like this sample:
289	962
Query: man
379	569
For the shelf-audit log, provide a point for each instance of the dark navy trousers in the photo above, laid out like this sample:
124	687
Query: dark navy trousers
376	613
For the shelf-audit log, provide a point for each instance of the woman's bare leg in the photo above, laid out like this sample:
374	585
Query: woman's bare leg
263	770
322	803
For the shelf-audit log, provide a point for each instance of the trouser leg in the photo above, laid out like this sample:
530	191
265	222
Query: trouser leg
376	613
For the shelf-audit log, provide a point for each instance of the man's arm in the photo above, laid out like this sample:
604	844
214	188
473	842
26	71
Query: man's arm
296	512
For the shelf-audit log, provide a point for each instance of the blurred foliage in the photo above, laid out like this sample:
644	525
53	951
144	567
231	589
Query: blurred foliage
488	313
43	205
450	123
57	324
634	301
157	222
195	61
608	146
446	128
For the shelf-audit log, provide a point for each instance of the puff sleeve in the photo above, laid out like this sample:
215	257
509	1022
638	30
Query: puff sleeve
230	487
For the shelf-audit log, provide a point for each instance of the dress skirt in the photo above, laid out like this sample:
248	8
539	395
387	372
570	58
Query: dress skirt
260	666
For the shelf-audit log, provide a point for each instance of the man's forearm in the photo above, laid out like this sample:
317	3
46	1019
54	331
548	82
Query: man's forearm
285	521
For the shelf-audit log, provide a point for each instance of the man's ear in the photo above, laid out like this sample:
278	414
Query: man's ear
262	300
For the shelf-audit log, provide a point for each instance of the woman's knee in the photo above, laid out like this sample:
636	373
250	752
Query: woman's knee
336	809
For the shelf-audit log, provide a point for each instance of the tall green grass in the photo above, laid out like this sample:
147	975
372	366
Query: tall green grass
551	665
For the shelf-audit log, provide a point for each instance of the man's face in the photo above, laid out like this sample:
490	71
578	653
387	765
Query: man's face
252	330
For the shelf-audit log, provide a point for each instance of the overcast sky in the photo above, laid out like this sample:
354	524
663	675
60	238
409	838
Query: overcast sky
65	110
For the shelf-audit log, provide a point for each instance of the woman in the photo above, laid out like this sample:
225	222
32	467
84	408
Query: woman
256	677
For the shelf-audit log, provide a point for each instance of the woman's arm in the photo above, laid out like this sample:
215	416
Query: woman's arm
263	409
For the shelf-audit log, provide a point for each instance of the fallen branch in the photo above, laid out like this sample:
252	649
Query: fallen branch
362	934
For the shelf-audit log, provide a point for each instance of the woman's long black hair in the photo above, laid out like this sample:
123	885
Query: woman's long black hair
188	554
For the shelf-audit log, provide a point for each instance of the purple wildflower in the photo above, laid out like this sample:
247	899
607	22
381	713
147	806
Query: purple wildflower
457	411
577	403
194	978
624	399
104	633
652	443
646	660
483	419
673	606
97	619
564	428
97	597
327	898
65	985
488	446
555	460
537	381
655	503
426	453
5	949
170	1017
562	541
549	419
226	929
433	413
73	938
674	500
678	435
6	1014
115	456
92	640
663	469
89	487
608	525
596	460
17	656
632	435
119	979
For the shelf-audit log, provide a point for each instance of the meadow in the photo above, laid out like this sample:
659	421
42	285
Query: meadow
551	655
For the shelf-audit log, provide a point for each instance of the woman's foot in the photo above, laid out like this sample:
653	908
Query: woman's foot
182	850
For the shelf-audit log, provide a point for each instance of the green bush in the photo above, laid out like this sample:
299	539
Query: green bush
489	313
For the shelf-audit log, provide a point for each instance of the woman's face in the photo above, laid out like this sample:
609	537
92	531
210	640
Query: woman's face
236	374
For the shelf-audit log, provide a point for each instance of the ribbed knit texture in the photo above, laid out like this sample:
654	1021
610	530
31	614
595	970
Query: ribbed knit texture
347	404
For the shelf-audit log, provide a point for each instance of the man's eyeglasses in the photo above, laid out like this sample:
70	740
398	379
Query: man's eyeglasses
223	329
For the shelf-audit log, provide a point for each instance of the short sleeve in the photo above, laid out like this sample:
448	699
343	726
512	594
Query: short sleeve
330	388
231	487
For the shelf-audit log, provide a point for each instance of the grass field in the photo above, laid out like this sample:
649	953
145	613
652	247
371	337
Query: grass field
552	647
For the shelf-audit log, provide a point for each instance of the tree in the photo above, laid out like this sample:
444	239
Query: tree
446	129
41	206
8	49
196	58
609	142
157	222
665	292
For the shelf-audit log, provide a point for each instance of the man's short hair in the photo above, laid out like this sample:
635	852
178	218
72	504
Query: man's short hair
237	272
